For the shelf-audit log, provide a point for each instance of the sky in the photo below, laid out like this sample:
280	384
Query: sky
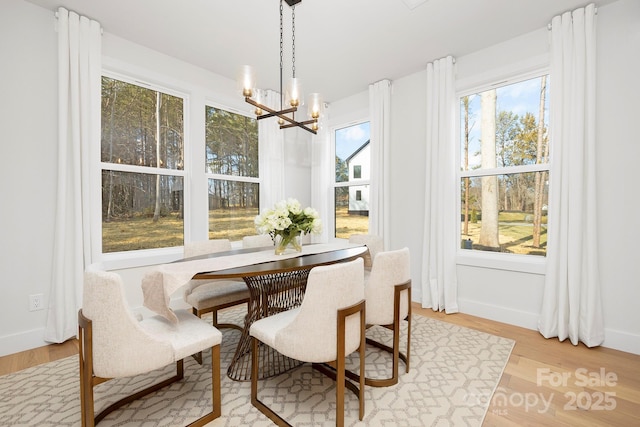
350	138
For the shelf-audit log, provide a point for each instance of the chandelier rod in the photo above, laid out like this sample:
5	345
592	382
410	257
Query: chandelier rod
281	56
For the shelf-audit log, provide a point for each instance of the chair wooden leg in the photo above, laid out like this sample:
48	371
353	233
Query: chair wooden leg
216	400
84	354
277	419
406	360
361	351
197	356
214	322
227	325
396	354
341	371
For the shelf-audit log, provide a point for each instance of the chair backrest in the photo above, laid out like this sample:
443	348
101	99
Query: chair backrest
257	241
312	334
204	247
374	243
121	347
389	269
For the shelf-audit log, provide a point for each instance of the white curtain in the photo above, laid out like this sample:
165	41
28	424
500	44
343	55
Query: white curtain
571	306
79	70
321	178
271	147
439	281
380	119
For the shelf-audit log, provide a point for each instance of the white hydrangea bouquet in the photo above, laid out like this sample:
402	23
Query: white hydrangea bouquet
286	222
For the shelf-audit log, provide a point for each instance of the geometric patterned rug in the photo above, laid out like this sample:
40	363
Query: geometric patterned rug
454	373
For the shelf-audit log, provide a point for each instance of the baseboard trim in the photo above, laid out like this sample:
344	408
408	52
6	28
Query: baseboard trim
614	339
26	340
499	314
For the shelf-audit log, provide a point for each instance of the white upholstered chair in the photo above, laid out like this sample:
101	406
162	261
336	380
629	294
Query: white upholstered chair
209	296
114	344
373	242
257	241
328	326
388	295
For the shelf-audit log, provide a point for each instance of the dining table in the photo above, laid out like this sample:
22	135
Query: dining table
276	283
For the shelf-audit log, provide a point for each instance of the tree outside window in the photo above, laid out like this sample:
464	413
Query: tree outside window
504	167
142	162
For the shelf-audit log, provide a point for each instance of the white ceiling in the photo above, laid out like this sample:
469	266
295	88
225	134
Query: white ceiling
341	45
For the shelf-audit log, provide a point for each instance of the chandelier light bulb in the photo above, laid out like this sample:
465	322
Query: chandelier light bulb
315	105
294	92
246	81
258	98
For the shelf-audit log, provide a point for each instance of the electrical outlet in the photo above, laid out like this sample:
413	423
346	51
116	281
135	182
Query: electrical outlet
36	302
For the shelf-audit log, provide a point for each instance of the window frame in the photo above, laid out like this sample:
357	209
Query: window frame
142	257
235	178
486	259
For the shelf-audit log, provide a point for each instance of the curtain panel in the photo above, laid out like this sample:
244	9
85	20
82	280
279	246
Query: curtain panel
321	176
79	74
271	148
439	281
380	125
571	305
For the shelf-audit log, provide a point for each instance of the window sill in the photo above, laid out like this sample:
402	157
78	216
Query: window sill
509	262
142	258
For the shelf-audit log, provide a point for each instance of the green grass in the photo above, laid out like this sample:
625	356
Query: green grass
232	224
141	232
346	224
515	234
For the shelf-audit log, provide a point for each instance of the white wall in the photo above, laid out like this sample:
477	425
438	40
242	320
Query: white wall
28	113
618	153
28	119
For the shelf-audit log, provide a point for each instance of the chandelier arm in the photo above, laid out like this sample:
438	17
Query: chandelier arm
300	125
281	114
276	113
272	112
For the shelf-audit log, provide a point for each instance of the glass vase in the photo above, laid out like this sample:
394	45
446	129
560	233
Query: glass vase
288	243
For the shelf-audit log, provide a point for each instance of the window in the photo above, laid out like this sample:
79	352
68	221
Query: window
142	164
232	173
352	174
504	167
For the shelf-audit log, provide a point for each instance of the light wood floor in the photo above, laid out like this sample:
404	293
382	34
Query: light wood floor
545	383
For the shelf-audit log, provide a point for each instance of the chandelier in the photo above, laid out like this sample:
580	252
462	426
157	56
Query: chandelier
293	94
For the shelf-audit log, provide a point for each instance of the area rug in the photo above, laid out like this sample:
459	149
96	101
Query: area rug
454	372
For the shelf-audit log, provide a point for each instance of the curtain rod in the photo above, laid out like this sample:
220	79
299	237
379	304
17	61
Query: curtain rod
549	26
101	29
